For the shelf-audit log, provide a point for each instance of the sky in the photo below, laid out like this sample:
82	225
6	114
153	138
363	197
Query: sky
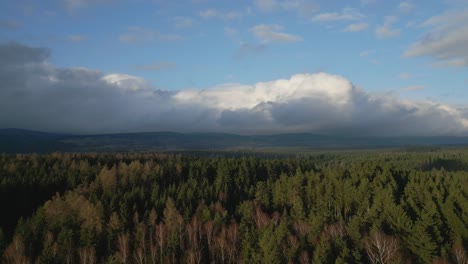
362	67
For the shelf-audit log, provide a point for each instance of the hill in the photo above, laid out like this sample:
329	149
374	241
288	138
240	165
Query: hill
26	141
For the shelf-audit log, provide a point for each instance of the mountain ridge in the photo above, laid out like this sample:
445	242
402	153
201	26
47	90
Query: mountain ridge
13	140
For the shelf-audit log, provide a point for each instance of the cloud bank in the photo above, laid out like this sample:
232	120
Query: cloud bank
37	95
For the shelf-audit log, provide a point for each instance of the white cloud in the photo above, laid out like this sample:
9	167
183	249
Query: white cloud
76	100
366	53
272	33
385	30
182	22
135	35
266	5
77	38
405	7
368	2
346	14
230	31
356	27
404	75
302	7
214	13
445	40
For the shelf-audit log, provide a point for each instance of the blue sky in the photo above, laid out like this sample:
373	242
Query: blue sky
407	49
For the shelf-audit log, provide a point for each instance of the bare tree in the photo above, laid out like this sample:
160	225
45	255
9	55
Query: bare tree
459	254
233	240
139	256
382	248
304	257
222	243
87	255
261	218
122	246
209	229
193	229
152	247
160	232
14	253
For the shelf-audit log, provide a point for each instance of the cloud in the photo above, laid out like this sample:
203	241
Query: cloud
158	66
346	14
182	22
385	30
445	41
9	24
272	33
356	27
415	88
78	4
266	5
247	49
404	75
303	7
38	95
230	32
405	7
214	13
76	38
366	53
368	2
135	35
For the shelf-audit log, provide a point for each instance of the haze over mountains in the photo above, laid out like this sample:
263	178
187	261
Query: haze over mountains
26	141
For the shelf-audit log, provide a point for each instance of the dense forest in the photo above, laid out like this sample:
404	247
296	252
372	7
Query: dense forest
356	207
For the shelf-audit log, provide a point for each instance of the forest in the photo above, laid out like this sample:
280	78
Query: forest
385	206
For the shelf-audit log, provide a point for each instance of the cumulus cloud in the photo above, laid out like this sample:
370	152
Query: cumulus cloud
356	27
182	22
273	33
37	95
405	7
386	30
76	38
303	7
445	40
404	75
366	53
214	13
346	14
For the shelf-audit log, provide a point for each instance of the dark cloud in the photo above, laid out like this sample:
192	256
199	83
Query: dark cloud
37	95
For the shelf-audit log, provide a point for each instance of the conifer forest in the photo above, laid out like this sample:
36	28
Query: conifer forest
386	206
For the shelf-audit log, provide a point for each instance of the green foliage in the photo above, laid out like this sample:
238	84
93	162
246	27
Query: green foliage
144	207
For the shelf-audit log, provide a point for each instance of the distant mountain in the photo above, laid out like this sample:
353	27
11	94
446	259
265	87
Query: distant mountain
14	140
26	141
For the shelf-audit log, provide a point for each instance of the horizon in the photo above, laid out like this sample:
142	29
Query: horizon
338	136
368	67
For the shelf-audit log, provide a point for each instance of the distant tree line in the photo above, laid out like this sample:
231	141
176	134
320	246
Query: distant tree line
361	207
